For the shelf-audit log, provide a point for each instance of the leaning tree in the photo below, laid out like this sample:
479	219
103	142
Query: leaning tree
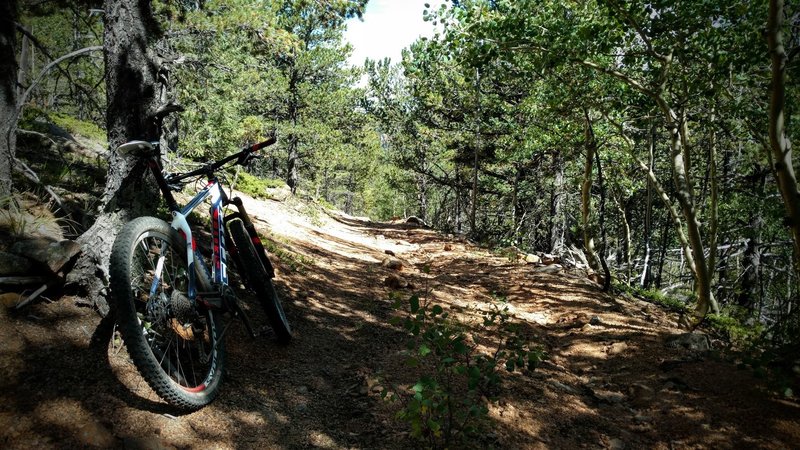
136	83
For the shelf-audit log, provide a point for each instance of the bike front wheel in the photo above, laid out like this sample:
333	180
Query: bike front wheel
259	281
176	346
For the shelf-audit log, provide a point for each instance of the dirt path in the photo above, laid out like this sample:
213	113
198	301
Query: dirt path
610	382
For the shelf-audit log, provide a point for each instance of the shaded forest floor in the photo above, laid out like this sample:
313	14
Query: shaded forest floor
609	382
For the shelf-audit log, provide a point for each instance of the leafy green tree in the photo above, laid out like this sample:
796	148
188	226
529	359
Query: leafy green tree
311	73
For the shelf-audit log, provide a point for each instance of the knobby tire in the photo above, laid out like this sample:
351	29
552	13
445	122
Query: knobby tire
176	347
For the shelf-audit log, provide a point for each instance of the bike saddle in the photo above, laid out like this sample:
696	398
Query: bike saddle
138	148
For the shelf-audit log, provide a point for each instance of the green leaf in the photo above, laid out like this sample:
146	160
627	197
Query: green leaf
414	304
424	350
459	347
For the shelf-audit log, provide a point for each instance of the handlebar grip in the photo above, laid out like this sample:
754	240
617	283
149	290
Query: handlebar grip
260	145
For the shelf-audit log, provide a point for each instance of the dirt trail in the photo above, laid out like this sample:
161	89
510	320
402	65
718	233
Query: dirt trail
610	382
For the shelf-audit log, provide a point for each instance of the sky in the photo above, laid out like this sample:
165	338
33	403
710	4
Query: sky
388	26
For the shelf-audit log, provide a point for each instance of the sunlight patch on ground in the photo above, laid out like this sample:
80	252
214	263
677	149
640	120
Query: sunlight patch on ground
321	440
585	350
537	317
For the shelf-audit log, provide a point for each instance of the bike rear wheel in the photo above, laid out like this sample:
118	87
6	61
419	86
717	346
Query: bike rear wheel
259	281
176	347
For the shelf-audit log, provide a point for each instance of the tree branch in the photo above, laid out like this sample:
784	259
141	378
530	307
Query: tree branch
639	30
619	75
56	62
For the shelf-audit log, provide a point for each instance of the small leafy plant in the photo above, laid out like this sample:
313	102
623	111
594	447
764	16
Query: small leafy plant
448	405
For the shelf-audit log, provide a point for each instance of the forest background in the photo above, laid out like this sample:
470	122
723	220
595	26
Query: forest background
650	141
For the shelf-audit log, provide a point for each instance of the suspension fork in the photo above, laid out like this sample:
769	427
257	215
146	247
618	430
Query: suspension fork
251	231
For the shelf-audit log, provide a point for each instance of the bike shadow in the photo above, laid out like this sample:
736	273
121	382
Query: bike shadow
99	345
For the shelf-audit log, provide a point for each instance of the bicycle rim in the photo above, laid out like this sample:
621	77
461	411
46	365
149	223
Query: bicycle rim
182	340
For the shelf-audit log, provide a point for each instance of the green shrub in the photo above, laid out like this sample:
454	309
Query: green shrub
79	127
447	407
654	296
251	185
733	330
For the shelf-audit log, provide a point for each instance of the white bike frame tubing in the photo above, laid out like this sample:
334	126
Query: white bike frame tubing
219	265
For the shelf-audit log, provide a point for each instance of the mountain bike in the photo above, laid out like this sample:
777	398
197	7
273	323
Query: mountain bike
169	305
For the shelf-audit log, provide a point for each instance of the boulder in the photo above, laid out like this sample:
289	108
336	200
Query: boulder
413	220
54	255
280	193
694	341
548	259
394	281
617	348
392	263
554	268
530	258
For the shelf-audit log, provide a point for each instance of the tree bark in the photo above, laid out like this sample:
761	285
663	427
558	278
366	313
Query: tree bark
681	163
779	141
680	175
422	196
626	238
648	215
292	177
132	83
474	196
558	207
602	223
25	68
590	145
8	102
713	220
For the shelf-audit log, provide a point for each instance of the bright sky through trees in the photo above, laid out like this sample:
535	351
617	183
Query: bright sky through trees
388	26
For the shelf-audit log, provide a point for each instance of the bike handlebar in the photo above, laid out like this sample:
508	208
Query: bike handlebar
241	157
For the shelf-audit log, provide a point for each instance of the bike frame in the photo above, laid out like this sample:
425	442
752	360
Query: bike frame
219	199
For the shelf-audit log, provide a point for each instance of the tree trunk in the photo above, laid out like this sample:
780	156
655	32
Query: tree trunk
558	207
590	145
25	68
132	76
663	254
713	220
648	215
474	197
601	221
8	102
748	293
422	196
517	214
681	161
779	141
292	177
626	238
